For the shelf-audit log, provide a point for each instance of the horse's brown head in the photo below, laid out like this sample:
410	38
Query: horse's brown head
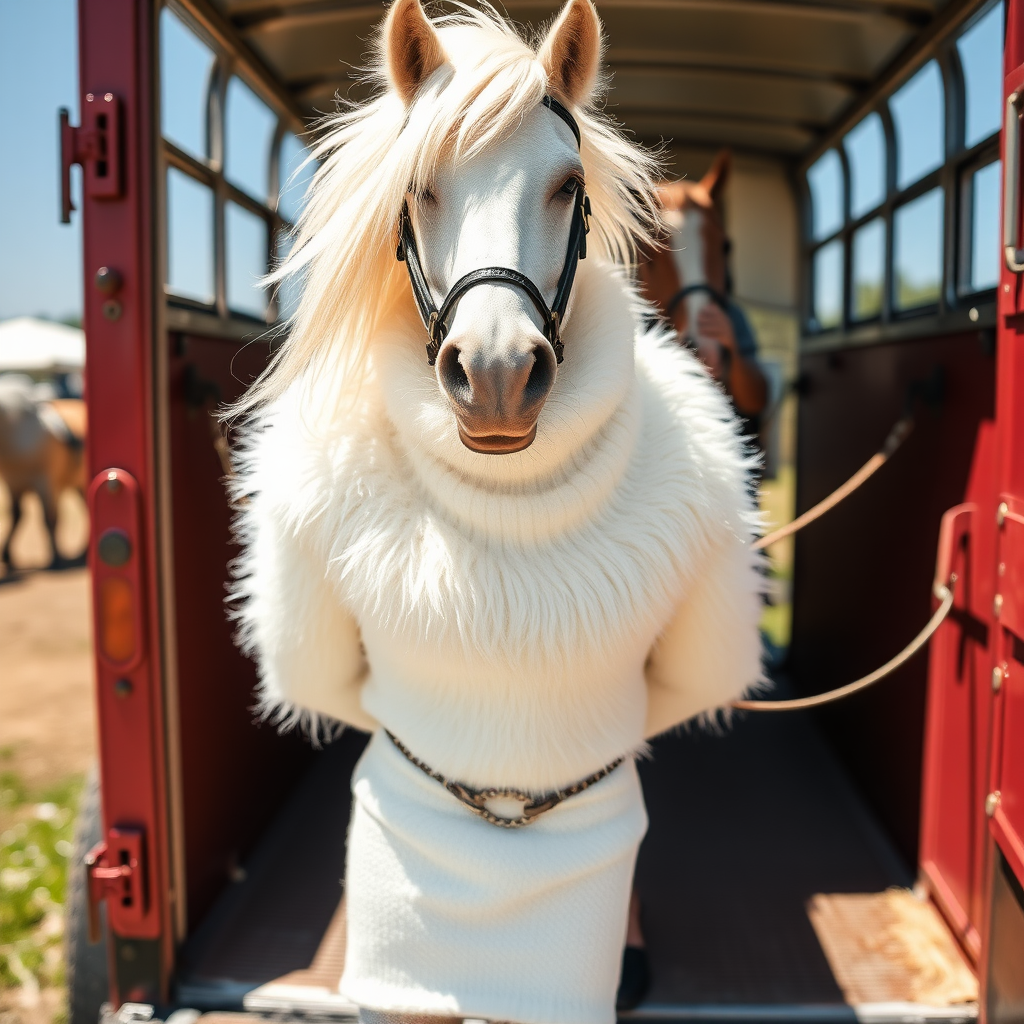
694	249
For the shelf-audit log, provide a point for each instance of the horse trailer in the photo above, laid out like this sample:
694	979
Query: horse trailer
875	143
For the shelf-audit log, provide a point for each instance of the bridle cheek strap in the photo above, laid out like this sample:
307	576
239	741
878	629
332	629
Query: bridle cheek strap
438	321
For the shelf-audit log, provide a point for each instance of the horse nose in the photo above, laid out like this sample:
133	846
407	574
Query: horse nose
496	398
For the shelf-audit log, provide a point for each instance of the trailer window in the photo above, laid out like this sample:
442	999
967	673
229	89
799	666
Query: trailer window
917	113
290	289
189	237
828	285
826	181
868	270
246	248
983	271
295	174
229	149
913	228
917	251
186	67
983	76
249	126
865	155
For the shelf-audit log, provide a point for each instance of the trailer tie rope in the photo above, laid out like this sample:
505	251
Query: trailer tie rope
896	437
944	592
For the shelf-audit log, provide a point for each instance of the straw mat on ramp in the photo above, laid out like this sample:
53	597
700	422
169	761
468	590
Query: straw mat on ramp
890	947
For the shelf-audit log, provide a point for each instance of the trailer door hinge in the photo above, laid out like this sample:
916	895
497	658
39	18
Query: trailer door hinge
96	146
115	872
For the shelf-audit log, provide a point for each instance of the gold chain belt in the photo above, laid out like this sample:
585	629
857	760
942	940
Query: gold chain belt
476	799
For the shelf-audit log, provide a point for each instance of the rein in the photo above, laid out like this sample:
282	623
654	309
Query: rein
438	320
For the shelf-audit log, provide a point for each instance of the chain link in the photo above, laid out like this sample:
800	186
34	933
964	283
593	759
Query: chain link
476	799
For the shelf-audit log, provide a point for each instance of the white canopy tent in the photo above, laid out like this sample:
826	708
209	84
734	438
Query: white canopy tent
36	346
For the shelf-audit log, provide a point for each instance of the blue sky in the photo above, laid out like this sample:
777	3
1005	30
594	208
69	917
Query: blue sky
40	258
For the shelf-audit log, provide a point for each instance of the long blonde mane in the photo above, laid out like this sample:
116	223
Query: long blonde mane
370	155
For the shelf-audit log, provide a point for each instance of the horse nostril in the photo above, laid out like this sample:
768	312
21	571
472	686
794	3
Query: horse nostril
542	375
453	375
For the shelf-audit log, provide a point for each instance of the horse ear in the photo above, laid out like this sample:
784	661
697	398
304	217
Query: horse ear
571	52
717	177
412	46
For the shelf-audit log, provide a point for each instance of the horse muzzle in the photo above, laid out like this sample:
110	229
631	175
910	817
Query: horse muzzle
497	397
497	444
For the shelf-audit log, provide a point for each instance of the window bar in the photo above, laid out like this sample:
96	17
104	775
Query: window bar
886	211
218	102
806	211
274	224
953	97
846	237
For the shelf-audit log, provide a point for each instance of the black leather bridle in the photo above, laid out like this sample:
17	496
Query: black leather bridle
690	289
438	320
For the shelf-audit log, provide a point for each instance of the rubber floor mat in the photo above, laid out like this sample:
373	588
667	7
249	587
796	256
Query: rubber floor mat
284	922
745	827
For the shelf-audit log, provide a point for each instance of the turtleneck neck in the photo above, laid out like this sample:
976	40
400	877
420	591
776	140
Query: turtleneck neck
537	510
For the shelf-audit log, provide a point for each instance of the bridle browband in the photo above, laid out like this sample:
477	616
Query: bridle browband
438	320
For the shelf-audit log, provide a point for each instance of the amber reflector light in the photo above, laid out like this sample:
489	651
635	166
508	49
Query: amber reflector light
117	619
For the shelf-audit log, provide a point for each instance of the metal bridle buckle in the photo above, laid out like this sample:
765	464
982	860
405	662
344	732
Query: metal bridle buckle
436	338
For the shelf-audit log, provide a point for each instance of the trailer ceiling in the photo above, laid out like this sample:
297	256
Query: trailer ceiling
766	76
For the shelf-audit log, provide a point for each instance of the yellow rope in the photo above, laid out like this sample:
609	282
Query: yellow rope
945	593
879	459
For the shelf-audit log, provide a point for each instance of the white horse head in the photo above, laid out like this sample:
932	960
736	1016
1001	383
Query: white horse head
462	137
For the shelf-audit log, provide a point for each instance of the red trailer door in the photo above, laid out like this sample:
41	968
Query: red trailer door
972	848
115	146
1005	803
187	146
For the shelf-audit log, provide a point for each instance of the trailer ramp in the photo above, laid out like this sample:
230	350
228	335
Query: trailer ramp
747	828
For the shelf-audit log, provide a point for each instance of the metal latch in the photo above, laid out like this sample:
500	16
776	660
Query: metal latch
96	146
115	871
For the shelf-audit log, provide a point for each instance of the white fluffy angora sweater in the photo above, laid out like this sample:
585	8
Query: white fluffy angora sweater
516	620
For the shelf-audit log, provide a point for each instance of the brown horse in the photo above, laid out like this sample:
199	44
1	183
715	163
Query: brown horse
686	281
41	450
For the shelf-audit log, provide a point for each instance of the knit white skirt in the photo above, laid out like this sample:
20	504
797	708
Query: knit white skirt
448	914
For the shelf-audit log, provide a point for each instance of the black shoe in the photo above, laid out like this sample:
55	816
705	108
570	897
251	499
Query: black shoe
635	979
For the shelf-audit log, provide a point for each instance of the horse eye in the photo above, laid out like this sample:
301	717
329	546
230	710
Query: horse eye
426	196
570	186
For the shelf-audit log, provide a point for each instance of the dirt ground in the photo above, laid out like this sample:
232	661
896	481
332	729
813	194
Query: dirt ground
47	717
47	720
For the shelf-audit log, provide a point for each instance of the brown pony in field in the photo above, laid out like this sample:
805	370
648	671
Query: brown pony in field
686	279
42	448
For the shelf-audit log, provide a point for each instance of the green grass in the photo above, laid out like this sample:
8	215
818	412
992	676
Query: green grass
777	623
35	848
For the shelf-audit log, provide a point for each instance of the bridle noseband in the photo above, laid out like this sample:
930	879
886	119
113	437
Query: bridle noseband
438	320
689	339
